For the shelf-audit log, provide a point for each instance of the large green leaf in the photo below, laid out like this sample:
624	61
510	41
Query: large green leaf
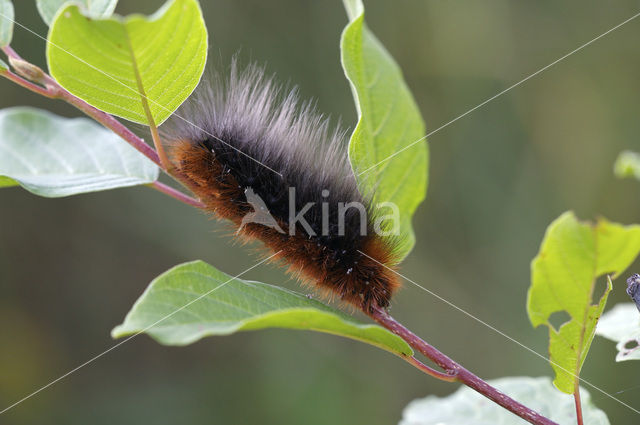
467	407
93	8
52	156
564	274
388	122
6	22
622	325
627	165
115	63
194	300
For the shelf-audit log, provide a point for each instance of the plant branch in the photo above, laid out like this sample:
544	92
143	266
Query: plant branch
454	369
27	84
176	194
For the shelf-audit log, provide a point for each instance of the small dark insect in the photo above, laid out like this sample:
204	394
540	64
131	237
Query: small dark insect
633	288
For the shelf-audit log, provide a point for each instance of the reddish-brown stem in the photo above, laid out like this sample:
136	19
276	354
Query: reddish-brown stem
576	398
27	84
454	369
176	194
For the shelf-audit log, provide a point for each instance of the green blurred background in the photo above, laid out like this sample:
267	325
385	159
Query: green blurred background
71	268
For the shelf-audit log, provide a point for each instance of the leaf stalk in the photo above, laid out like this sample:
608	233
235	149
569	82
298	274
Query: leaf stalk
157	141
176	194
576	398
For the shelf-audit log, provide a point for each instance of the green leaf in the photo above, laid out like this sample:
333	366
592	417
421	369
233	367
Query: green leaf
388	122
3	65
93	8
6	23
114	64
564	275
621	324
627	165
467	407
53	156
194	300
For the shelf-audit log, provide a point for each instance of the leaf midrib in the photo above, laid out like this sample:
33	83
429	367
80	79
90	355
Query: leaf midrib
583	327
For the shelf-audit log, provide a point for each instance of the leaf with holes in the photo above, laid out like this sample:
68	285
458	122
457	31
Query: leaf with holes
93	8
6	23
627	165
387	149
563	279
622	325
467	407
195	300
120	64
53	156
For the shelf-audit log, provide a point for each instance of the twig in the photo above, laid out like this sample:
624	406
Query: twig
27	84
454	369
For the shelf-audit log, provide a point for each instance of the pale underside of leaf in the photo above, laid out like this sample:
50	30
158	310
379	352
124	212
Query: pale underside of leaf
6	24
467	407
53	156
621	324
94	8
217	304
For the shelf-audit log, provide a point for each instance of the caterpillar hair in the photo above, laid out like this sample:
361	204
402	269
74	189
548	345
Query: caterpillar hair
258	157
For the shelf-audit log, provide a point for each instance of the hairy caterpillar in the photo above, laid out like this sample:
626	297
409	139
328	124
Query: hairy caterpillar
258	157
